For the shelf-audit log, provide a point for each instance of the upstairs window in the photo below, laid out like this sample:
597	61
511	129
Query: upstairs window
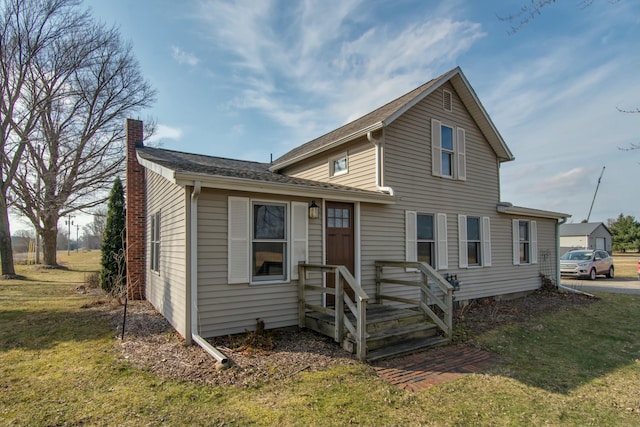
448	150
446	139
338	165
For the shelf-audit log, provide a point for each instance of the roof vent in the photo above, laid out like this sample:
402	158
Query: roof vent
446	101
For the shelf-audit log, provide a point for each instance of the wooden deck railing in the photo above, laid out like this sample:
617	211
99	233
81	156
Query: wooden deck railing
358	306
440	295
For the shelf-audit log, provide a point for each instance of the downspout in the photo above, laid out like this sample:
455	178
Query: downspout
195	329
558	224
379	159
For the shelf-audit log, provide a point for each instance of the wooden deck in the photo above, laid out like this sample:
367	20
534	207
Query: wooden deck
390	331
375	331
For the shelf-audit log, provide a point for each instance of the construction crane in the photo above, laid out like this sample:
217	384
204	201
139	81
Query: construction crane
594	194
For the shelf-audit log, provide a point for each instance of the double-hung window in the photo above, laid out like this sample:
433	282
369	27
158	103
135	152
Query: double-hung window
448	150
446	139
155	242
525	242
473	241
474	235
426	238
269	241
266	240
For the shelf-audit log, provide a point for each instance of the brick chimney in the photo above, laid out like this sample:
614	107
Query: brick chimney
136	213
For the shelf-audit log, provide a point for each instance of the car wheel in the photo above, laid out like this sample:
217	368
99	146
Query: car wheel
610	273
592	274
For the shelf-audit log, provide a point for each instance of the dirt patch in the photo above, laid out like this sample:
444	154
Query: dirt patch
152	344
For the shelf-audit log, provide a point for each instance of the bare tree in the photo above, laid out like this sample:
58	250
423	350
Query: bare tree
87	83
28	30
93	231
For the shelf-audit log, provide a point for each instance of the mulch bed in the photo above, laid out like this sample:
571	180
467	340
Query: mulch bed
150	343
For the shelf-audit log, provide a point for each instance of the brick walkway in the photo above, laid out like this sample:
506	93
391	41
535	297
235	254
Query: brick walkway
428	368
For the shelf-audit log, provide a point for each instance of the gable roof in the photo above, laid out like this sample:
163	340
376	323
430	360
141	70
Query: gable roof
385	115
186	168
581	229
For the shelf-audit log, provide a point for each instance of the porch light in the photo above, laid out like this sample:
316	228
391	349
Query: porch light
314	210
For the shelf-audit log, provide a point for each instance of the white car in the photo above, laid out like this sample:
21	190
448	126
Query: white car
586	263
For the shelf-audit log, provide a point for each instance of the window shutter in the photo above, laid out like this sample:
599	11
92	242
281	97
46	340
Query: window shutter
411	235
516	242
436	148
533	230
443	252
461	154
238	239
486	241
462	242
299	233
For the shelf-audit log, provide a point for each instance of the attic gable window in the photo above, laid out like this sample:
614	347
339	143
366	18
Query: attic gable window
448	150
339	165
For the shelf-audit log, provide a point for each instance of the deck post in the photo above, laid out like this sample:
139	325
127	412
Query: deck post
378	284
301	302
361	339
449	313
339	306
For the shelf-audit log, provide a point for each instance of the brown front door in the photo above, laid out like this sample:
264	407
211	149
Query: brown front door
340	241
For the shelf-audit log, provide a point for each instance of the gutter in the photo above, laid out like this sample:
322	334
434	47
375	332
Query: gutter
195	334
379	144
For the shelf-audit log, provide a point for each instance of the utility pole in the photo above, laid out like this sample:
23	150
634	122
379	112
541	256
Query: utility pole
594	194
77	241
69	222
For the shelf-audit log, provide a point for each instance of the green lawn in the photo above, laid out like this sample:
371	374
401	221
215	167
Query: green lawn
61	365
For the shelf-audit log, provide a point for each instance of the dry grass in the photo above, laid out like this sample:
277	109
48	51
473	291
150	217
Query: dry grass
626	265
61	364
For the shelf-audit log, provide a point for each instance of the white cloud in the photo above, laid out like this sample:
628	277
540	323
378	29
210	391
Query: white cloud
184	57
165	132
322	63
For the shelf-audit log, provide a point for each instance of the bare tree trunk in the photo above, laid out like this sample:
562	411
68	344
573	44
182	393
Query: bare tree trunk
49	241
6	250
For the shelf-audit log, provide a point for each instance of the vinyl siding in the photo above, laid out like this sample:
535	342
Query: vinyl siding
407	170
362	171
231	308
166	289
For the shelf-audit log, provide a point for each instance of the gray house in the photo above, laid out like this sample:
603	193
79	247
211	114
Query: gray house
587	235
399	209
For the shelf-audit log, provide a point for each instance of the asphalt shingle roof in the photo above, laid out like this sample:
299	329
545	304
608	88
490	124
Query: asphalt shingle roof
181	162
579	229
376	116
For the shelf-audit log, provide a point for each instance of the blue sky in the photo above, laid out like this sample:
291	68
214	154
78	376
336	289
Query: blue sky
248	79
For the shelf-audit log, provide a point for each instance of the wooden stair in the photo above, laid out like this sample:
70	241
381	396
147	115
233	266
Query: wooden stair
391	331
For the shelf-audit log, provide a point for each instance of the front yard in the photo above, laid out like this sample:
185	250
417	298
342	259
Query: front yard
567	361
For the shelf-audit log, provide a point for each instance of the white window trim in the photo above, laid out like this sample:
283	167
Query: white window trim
533	241
459	158
440	238
332	160
287	268
155	243
240	239
485	242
